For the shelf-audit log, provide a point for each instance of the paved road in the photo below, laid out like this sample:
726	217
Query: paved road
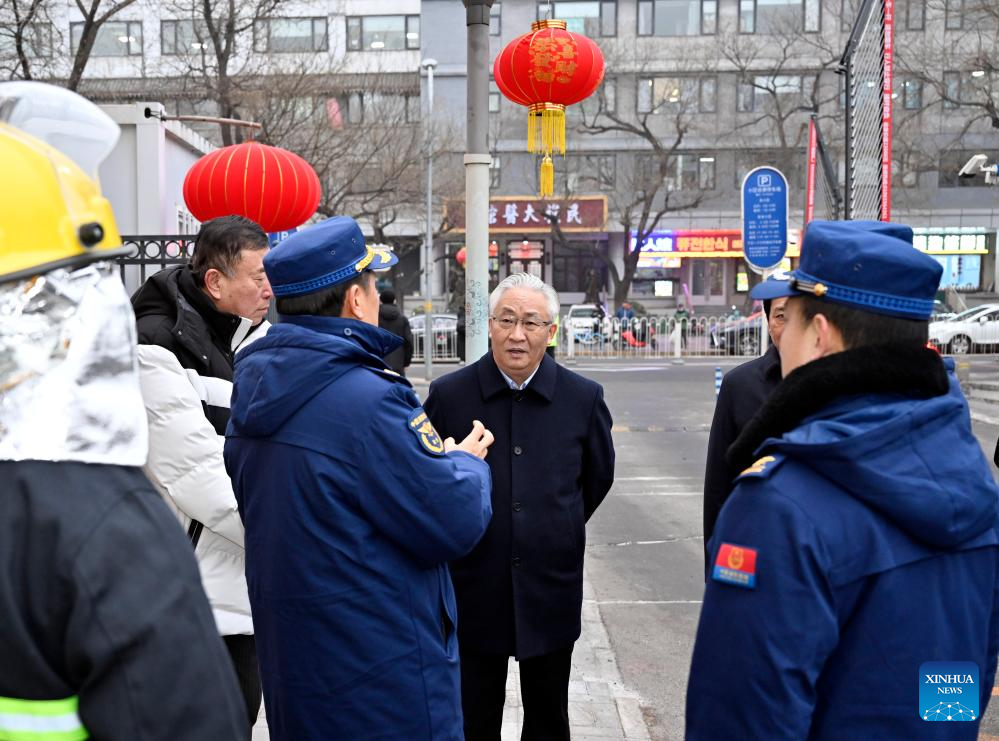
644	553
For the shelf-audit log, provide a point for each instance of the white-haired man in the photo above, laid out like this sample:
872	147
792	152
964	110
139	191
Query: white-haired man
520	590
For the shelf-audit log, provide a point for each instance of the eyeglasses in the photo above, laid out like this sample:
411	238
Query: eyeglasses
507	324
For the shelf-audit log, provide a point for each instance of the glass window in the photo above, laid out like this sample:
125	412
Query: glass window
955	14
36	38
951	89
280	35
915	15
912	94
588	17
659	94
496	19
355	108
709	95
182	37
677	17
114	39
413	108
383	32
495	170
747	16
745	97
706	172
707	277
494	97
847	14
576	268
682	172
609	92
776	16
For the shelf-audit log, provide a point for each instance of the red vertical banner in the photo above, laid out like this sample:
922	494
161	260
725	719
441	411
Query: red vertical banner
813	146
886	105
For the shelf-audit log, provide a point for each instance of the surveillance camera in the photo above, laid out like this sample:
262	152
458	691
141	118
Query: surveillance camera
973	166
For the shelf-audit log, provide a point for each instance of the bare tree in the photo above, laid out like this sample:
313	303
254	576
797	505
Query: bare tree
26	38
95	14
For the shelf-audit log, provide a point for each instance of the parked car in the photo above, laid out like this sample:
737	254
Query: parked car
586	321
971	330
739	336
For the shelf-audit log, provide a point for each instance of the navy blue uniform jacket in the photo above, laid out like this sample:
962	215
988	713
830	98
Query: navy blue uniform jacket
874	526
352	511
520	590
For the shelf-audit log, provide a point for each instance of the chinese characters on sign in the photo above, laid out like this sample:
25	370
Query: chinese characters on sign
664	249
764	217
584	214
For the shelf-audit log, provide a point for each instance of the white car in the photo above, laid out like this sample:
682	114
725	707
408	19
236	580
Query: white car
587	321
974	329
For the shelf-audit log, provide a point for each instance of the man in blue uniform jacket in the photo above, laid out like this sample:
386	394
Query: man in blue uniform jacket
353	505
520	591
863	541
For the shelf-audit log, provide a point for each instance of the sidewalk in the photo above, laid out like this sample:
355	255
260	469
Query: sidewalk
600	707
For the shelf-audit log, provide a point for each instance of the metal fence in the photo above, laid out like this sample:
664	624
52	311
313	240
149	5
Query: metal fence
151	254
643	338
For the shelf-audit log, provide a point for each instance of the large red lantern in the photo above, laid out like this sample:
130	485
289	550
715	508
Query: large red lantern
271	186
546	70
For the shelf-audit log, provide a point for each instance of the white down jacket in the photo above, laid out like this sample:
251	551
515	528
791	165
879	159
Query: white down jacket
185	464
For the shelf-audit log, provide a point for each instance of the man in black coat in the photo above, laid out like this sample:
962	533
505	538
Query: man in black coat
743	392
520	590
391	318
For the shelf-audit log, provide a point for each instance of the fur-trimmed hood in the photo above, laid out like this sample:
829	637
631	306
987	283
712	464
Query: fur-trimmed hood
890	425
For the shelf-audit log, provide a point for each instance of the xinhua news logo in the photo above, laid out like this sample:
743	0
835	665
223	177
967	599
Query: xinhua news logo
948	690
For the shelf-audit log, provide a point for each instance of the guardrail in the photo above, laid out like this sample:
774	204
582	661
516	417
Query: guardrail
645	337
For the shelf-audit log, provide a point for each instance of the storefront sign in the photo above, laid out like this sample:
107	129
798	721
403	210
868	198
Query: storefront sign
520	214
764	217
665	249
957	241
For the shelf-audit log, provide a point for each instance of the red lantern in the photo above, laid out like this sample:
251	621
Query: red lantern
461	256
546	70
271	186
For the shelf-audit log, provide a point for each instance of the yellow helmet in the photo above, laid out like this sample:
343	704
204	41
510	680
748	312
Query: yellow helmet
52	214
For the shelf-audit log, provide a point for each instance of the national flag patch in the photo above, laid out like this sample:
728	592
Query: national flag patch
736	565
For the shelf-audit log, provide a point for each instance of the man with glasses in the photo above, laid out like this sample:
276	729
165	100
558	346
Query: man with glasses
520	590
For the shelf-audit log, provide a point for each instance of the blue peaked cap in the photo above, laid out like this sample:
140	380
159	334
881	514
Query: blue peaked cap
322	255
866	265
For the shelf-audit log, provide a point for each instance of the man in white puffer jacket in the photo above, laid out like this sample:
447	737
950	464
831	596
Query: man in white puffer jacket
191	322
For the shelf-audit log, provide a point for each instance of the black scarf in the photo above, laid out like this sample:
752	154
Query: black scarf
917	371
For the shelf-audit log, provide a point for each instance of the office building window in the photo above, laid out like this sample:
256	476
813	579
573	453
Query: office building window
912	94
951	89
706	172
183	37
915	15
577	269
496	19
589	17
36	37
114	39
745	96
383	32
677	17
750	93
495	171
494	97
670	94
278	35
777	16
590	172
955	15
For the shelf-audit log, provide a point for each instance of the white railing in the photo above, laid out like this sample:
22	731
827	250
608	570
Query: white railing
645	337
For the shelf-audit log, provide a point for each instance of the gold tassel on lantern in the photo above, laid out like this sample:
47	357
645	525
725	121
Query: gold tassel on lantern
547	186
546	128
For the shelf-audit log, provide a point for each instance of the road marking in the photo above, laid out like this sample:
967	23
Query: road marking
645	542
644	601
984	419
657	478
658	493
654	428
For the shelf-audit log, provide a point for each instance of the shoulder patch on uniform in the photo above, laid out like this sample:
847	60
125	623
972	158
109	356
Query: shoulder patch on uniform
736	565
763	467
422	427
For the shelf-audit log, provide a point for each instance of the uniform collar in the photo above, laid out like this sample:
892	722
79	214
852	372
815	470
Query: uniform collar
493	382
376	341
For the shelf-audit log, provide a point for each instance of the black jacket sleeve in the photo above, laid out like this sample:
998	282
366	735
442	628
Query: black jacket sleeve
717	476
141	641
598	457
407	342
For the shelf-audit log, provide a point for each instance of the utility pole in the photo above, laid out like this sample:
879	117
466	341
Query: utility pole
428	243
477	161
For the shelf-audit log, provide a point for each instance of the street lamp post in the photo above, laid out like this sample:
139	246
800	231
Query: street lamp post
428	243
477	162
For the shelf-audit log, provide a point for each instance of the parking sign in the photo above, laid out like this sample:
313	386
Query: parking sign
764	217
